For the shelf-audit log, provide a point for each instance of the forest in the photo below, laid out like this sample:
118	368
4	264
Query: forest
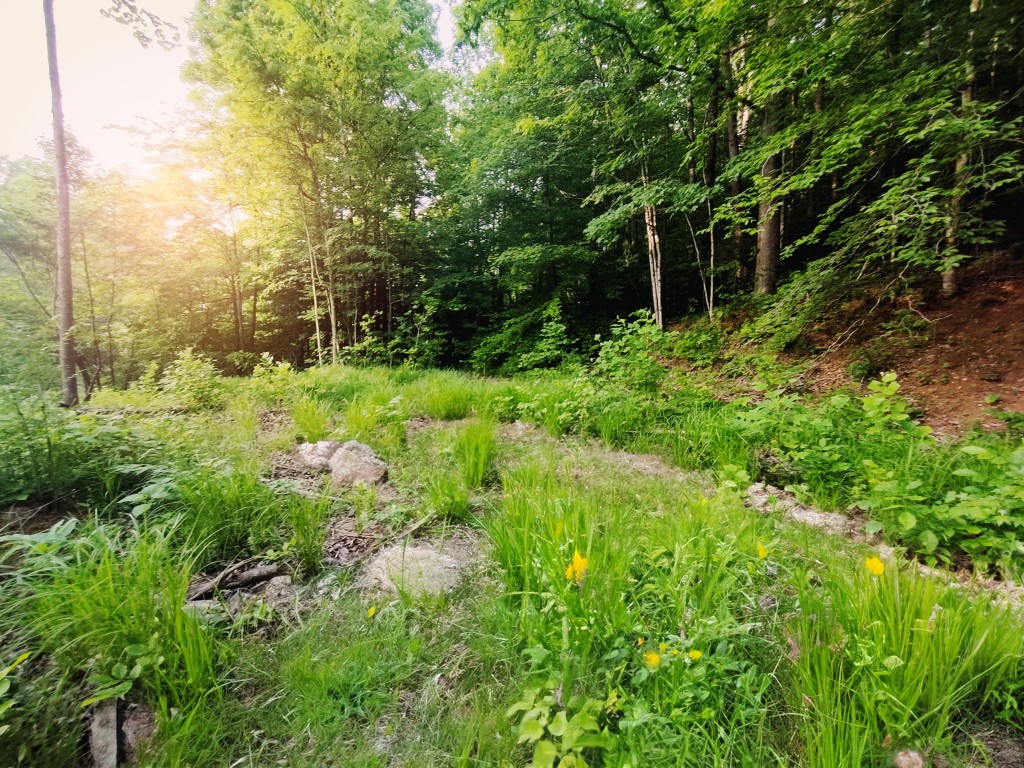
626	383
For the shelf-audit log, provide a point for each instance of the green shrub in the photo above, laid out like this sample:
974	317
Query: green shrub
701	345
191	381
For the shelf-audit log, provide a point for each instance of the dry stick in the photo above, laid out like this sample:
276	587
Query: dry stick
210	586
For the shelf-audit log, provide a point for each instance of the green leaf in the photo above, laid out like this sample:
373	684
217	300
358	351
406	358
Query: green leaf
531	730
558	724
109	693
907	520
544	754
929	541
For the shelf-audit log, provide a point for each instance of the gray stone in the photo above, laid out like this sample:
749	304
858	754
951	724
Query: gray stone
422	567
317	455
354	463
137	729
281	595
103	734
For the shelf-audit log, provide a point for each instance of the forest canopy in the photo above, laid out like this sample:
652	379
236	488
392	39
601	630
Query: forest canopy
344	188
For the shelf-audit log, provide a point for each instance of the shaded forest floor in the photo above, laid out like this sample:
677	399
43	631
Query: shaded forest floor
960	360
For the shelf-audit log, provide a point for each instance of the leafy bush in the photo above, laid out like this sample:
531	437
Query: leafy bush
50	453
700	345
628	359
192	381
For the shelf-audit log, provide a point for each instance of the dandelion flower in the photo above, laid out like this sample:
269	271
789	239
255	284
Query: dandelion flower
577	569
876	566
662	647
695	655
675	651
761	551
372	610
652	659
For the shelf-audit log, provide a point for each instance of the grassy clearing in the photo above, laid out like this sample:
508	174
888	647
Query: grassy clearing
619	615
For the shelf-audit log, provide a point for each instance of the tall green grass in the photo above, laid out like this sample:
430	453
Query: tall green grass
893	661
473	451
113	607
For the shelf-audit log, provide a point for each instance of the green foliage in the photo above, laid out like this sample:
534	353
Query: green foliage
50	453
700	345
312	418
447	497
910	653
113	607
628	358
473	451
308	519
191	381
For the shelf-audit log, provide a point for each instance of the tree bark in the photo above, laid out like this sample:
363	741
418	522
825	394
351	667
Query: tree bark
65	306
769	233
950	283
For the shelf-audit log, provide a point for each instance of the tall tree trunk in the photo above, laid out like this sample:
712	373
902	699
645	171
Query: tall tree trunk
766	266
653	255
314	275
732	136
949	276
97	352
65	306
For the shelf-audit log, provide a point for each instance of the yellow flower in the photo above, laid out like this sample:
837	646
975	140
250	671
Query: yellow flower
577	569
662	647
761	551
372	610
876	566
652	659
675	651
695	655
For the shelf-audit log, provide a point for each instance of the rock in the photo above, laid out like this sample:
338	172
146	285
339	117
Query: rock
103	734
767	498
908	758
420	568
137	730
282	595
354	463
317	455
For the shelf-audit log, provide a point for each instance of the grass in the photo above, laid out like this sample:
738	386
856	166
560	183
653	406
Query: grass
616	616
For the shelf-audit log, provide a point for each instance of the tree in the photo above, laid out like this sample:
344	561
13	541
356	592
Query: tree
65	307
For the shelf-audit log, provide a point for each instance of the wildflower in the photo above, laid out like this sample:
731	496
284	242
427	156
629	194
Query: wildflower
675	651
652	659
875	566
640	641
695	655
577	569
372	610
662	647
762	553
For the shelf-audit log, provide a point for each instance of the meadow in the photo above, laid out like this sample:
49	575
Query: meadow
622	605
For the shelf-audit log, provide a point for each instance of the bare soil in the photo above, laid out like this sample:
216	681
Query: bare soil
969	365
